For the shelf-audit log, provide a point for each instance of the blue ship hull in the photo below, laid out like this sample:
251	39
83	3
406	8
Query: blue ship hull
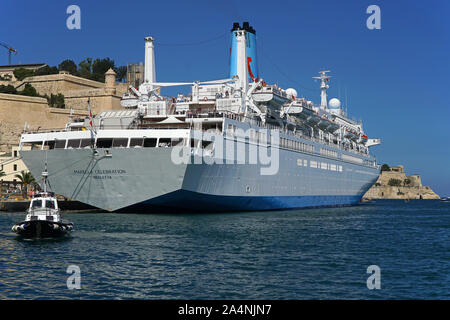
198	202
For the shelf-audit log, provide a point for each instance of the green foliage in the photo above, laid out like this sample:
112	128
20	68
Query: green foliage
395	182
385	167
69	66
407	181
46	70
22	73
29	91
99	68
377	184
85	68
121	73
8	89
26	178
2	173
56	101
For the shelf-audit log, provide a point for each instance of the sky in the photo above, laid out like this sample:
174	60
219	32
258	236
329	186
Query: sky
394	79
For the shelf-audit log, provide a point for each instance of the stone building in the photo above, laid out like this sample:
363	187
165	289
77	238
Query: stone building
10	165
7	71
395	184
18	112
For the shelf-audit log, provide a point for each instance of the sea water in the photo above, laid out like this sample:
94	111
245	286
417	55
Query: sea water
299	254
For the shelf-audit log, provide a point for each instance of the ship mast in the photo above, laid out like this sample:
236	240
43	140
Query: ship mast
323	77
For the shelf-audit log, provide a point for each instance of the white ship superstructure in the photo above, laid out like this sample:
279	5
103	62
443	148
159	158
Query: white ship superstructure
231	144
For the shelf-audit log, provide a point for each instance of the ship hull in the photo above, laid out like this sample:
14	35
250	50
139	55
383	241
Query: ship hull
146	180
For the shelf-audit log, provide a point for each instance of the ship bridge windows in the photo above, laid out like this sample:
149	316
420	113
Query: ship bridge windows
120	142
150	142
50	204
49	145
73	143
33	145
85	143
104	142
178	142
164	142
136	142
60	144
36	203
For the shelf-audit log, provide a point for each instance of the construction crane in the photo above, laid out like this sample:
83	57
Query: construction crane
10	49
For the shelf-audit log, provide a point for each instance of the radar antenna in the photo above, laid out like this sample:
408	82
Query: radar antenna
324	78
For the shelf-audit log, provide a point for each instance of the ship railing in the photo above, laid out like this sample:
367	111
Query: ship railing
252	121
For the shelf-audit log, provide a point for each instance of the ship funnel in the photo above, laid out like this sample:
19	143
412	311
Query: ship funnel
149	71
243	60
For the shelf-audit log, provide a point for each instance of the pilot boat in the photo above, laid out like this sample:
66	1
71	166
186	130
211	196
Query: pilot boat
43	219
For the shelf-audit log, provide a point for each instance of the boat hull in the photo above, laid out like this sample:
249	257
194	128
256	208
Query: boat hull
42	229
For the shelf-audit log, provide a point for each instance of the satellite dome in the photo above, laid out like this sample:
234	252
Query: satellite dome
291	92
334	103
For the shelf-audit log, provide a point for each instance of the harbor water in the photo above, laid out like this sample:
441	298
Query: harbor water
298	254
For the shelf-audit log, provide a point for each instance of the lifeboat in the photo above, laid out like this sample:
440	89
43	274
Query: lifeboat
270	96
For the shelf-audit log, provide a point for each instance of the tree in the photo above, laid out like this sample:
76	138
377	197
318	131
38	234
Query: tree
85	68
99	68
385	167
45	70
8	89
121	73
29	91
22	73
56	101
69	66
26	178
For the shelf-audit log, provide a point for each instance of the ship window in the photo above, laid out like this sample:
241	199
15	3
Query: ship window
86	143
136	142
164	142
49	145
104	142
36	204
323	166
194	143
207	145
50	204
177	142
60	144
149	142
299	162
74	143
313	164
33	145
120	142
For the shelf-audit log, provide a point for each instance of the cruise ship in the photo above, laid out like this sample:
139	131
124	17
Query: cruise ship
235	144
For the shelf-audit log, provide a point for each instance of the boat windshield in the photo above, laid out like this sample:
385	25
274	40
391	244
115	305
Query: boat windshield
50	204
36	204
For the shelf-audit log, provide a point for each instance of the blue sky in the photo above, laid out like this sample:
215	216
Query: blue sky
396	78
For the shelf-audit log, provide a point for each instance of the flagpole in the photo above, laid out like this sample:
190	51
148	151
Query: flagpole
91	122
